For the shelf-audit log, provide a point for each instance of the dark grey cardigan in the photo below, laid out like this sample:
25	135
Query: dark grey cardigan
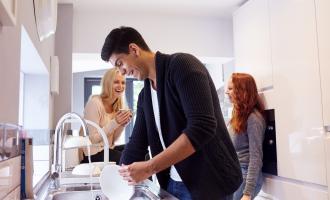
188	103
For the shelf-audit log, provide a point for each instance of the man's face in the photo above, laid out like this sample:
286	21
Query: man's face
128	64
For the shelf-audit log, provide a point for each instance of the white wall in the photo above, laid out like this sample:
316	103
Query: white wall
63	49
36	101
10	38
169	34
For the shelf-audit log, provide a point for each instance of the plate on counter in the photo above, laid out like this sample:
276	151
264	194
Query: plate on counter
94	168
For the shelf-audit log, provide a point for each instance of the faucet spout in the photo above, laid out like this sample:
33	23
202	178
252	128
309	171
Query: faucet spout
58	142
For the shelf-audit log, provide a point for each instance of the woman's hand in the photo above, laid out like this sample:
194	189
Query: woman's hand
123	117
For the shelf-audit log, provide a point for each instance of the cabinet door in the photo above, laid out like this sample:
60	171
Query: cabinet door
252	42
323	30
14	195
10	177
298	109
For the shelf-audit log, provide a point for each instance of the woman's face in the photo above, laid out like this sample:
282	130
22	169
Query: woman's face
118	86
230	90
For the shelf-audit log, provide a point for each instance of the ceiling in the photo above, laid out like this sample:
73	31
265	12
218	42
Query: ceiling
199	8
214	8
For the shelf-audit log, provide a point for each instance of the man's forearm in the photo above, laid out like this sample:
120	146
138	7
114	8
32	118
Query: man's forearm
180	149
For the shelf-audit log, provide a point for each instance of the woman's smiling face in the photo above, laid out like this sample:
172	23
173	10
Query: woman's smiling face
118	86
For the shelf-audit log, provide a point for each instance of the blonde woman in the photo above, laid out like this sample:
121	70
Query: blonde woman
106	110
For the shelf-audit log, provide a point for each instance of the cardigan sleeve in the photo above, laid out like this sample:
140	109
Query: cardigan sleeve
255	131
192	83
136	148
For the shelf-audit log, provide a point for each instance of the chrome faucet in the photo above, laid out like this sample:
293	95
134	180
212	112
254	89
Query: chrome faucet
58	144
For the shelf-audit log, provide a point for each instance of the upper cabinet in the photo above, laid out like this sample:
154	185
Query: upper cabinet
283	44
323	32
8	12
297	87
45	12
252	42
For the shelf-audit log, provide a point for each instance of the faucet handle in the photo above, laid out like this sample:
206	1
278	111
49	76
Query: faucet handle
55	181
54	175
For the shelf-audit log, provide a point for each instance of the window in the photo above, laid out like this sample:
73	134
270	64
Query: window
91	87
133	89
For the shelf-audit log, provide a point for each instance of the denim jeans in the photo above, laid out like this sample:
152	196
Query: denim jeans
239	192
180	191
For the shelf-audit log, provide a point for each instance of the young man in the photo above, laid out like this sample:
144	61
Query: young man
179	117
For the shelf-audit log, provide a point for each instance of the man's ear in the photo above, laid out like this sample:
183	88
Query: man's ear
134	49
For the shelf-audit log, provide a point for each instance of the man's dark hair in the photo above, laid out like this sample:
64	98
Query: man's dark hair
118	40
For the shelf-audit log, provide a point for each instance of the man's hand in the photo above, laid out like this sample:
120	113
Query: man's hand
139	171
136	172
246	197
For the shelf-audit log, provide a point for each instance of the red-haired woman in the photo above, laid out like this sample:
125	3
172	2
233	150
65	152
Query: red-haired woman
247	127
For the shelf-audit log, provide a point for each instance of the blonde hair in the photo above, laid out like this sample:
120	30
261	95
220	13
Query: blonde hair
106	91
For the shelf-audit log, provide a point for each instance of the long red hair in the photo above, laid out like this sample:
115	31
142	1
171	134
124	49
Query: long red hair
245	100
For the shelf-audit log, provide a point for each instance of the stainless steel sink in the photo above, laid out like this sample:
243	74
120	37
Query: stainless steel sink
86	191
77	192
93	192
78	195
97	195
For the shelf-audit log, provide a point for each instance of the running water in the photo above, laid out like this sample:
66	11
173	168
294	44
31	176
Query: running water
91	169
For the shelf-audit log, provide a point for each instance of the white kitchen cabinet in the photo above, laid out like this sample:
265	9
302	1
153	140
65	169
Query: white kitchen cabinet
298	109
323	31
278	188
283	46
297	84
252	42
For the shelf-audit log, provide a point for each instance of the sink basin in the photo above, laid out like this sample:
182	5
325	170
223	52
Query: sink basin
79	195
96	195
85	192
145	191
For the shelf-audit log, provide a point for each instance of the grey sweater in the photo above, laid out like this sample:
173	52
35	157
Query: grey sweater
248	147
